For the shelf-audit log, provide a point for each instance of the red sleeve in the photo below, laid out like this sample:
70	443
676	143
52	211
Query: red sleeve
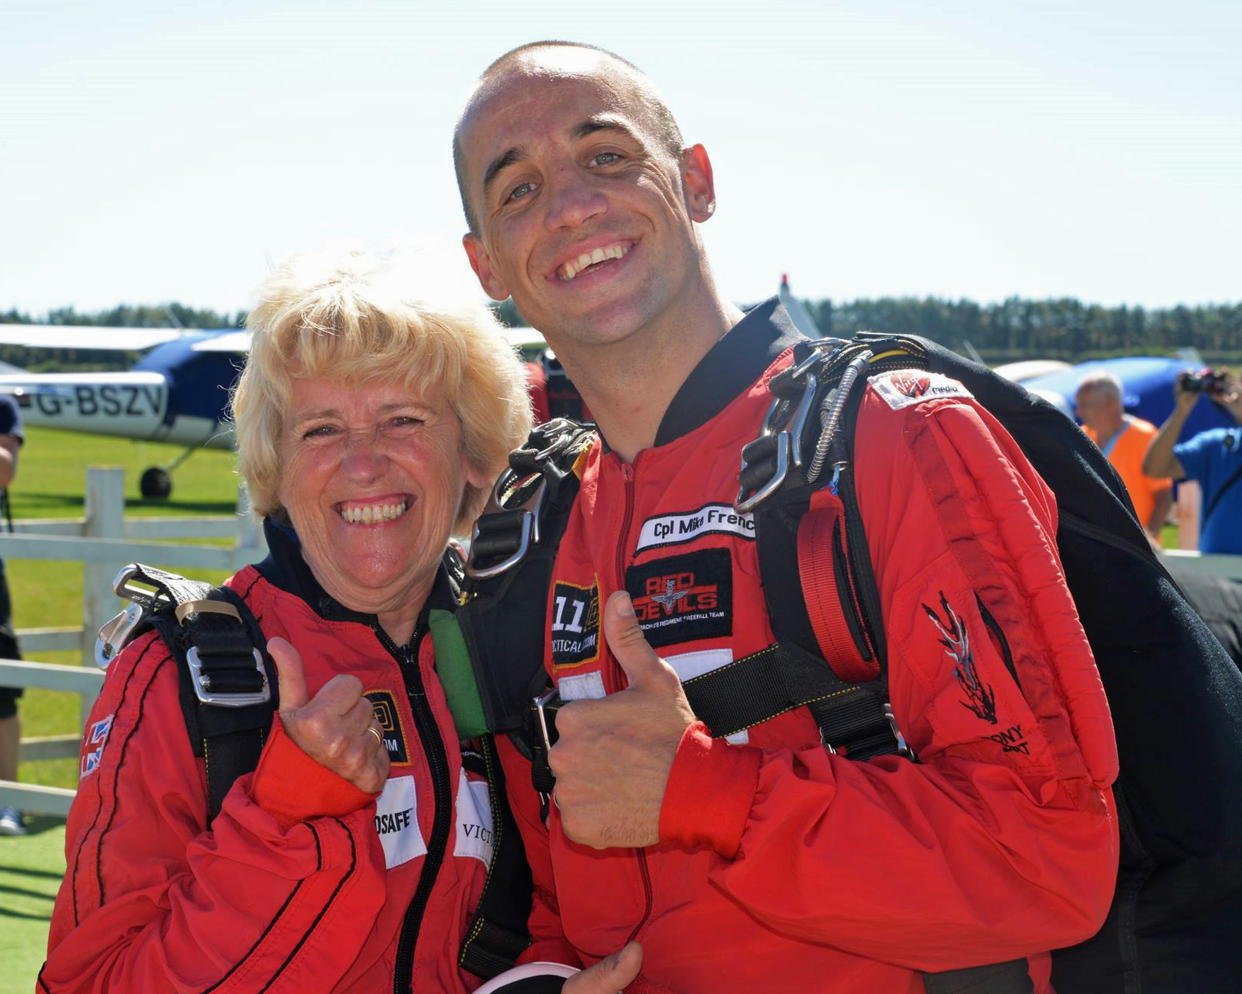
1002	841
548	944
152	901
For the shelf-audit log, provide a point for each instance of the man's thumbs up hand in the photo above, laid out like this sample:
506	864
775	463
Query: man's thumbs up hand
613	756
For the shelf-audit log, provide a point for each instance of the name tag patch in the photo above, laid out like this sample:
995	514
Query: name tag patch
912	386
396	822
474	820
711	519
683	597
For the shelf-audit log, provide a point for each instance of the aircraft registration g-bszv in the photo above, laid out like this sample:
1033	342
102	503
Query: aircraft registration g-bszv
178	392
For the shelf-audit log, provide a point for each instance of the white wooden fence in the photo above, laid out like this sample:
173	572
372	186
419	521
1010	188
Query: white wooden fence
103	541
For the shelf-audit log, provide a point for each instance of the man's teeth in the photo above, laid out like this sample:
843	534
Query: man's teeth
369	514
572	269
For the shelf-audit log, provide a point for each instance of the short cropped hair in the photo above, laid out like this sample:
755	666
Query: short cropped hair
1103	382
353	317
668	133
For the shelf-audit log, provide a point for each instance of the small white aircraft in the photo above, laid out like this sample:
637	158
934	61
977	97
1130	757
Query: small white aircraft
178	392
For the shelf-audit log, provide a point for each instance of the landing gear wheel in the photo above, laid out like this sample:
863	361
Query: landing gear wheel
155	483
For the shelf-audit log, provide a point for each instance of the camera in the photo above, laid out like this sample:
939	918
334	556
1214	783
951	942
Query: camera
1207	381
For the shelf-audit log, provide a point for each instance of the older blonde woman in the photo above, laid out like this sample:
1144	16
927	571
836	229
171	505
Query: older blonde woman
369	426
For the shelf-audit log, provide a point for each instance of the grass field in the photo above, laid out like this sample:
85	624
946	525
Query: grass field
51	481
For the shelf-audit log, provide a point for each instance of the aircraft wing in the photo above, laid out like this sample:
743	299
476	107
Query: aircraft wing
524	339
83	336
226	341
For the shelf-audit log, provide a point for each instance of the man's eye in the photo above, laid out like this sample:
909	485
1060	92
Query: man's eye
519	191
605	158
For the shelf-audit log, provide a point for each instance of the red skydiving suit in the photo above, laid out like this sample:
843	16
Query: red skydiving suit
782	867
303	883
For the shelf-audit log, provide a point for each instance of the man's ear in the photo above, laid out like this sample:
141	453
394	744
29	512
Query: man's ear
696	174
481	263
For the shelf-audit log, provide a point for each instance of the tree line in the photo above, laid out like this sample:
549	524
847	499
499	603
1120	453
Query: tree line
1067	329
1016	328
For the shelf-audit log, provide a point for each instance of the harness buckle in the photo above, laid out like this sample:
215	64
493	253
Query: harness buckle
123	586
227	698
767	460
545	712
542	779
115	634
507	532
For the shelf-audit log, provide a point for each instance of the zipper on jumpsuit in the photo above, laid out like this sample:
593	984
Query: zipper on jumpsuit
437	763
627	476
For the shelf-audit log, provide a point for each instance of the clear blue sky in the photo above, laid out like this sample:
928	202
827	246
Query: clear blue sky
154	151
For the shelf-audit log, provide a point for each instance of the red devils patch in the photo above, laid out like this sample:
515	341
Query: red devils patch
683	598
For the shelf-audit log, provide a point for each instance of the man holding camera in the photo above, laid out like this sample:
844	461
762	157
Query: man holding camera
1212	458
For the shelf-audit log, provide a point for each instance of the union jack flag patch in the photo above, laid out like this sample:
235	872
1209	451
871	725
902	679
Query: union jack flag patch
97	736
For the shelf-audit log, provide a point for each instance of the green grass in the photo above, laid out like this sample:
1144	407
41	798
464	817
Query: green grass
51	483
30	873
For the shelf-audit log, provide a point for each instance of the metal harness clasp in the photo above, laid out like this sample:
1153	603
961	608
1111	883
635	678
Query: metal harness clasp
780	441
504	522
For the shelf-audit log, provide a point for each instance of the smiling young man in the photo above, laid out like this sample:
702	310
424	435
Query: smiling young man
765	861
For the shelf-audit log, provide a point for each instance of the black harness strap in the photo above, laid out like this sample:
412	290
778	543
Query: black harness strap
503	619
498	932
227	686
853	718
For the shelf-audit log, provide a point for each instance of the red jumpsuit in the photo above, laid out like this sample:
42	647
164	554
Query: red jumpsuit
302	884
782	867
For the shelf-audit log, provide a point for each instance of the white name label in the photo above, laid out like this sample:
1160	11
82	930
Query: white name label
474	820
713	519
396	822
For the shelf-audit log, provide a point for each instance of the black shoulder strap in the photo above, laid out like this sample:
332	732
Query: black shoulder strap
227	683
509	570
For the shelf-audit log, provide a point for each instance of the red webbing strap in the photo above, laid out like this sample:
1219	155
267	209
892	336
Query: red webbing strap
831	605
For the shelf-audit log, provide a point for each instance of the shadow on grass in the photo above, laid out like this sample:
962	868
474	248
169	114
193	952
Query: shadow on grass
38	824
188	506
40	504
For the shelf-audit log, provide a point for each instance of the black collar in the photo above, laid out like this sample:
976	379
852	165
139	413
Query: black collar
732	365
285	568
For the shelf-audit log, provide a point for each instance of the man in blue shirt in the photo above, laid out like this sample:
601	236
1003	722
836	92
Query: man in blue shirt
1212	458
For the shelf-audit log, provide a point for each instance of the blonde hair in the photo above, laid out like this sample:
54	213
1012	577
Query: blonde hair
354	317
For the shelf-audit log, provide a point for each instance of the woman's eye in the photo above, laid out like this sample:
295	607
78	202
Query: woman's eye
319	431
